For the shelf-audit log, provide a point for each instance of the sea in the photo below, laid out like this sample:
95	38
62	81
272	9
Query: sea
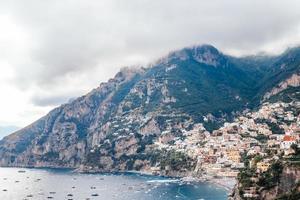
64	184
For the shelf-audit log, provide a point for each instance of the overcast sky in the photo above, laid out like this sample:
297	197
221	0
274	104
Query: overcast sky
53	50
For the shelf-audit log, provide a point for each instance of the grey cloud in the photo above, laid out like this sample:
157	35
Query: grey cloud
95	38
41	100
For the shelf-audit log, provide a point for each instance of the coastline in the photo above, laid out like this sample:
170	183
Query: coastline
225	183
127	186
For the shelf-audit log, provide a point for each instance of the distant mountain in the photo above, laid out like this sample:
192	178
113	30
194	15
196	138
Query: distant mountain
6	130
115	125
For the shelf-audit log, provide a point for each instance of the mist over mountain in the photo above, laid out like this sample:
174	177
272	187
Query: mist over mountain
115	126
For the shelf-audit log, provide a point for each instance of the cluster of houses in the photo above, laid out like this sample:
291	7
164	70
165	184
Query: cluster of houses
219	154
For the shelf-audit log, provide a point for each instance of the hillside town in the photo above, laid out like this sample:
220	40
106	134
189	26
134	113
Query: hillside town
249	141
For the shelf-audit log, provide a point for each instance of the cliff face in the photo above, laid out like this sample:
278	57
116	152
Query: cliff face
289	179
115	125
288	182
62	137
293	81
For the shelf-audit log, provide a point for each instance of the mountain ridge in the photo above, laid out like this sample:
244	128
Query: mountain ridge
127	114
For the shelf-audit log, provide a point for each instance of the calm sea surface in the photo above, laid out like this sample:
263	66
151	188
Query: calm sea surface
64	184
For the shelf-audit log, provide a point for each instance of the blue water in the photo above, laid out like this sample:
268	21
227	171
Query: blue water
65	184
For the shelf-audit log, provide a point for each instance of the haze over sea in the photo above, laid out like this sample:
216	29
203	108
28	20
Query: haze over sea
36	184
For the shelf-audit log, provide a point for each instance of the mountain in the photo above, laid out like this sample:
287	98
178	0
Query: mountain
6	130
115	126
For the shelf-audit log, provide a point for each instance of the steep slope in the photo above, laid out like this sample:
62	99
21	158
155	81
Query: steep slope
285	69
59	138
114	126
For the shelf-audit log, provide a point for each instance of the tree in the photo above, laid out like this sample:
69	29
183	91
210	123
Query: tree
296	149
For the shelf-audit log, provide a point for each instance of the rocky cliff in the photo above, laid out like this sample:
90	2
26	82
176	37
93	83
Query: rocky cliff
293	81
287	186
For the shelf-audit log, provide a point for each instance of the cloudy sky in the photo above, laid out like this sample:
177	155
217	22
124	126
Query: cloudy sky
54	50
